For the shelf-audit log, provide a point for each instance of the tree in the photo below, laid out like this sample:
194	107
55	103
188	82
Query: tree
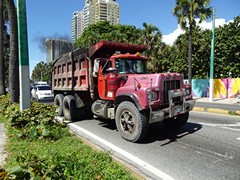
13	58
131	33
105	31
94	33
42	72
187	11
151	37
161	61
2	69
227	55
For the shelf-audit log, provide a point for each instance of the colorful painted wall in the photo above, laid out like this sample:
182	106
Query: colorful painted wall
223	88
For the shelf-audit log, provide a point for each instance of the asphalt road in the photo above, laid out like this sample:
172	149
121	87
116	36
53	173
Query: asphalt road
207	147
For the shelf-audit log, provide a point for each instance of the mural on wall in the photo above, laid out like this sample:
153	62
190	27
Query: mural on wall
233	87
223	88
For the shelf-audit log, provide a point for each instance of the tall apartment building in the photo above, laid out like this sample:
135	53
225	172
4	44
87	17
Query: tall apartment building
55	48
93	12
77	25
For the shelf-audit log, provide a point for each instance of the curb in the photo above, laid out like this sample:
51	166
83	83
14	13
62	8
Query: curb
3	139
215	110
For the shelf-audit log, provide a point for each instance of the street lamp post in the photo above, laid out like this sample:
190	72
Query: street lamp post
23	56
211	90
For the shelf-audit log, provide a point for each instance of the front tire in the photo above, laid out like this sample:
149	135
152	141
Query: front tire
176	121
131	123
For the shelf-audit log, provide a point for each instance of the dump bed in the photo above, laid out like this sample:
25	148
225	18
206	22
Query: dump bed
70	71
73	71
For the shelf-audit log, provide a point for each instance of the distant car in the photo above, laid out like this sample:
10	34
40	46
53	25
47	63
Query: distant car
42	92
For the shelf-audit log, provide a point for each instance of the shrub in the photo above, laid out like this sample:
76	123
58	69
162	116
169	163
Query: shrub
37	122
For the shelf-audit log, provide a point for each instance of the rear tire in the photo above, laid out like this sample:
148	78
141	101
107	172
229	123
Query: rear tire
131	123
69	108
176	121
58	102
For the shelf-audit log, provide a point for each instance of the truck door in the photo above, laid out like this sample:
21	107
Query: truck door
102	79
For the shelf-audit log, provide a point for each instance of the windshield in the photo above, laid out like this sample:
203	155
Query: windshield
132	66
44	87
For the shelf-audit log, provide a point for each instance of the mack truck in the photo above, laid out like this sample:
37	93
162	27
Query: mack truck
109	80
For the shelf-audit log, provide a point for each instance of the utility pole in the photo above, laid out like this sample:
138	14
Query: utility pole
211	90
23	56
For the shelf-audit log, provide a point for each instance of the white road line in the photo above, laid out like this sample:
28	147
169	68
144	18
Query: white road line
131	157
231	129
220	125
238	138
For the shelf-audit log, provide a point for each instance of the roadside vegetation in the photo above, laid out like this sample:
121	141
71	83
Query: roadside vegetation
235	113
40	148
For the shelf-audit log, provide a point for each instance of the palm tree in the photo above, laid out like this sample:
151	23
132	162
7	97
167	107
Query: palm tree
187	11
13	59
131	33
151	37
2	69
117	36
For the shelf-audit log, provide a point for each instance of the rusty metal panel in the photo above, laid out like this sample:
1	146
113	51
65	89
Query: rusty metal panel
71	72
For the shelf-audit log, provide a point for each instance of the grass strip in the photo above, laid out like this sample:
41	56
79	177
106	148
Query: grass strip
39	148
66	158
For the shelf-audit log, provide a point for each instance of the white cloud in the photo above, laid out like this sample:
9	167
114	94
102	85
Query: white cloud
170	38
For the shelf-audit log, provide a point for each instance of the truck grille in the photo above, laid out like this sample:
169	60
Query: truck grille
170	85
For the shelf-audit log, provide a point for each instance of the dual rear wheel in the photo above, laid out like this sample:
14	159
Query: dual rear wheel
66	105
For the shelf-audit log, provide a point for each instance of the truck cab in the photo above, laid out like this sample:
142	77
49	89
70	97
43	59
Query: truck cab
113	73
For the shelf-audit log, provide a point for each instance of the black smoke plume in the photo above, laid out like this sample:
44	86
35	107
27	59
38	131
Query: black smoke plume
41	40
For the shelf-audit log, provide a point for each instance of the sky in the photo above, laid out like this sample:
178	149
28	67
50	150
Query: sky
52	19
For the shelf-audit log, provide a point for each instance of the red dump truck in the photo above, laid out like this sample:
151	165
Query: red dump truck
109	80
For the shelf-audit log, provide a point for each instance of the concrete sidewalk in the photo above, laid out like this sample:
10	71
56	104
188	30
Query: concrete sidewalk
3	139
218	100
227	106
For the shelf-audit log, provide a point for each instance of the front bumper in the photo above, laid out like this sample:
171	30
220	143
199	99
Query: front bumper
160	115
45	97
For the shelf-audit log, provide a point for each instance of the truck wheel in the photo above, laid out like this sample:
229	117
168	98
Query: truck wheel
176	121
131	123
69	108
58	102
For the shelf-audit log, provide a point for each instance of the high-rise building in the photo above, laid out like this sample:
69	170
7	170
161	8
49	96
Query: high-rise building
77	25
93	12
55	48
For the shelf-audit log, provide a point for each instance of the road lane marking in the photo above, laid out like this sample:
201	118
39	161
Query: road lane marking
238	138
207	152
231	129
131	157
220	125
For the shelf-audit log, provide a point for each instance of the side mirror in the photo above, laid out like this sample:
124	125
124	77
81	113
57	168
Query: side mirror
96	68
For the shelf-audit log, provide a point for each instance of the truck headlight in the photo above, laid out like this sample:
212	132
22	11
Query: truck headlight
187	92
152	95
